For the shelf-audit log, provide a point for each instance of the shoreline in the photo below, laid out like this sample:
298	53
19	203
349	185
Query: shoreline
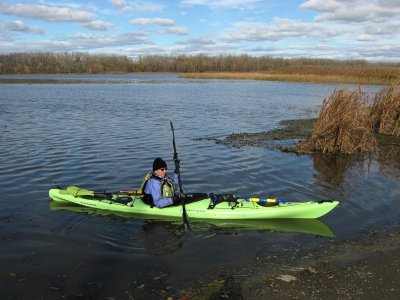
284	77
365	266
368	266
285	138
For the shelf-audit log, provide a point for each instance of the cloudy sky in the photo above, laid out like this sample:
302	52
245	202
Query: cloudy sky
338	29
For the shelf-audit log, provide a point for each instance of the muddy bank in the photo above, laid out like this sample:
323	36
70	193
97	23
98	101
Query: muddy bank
368	267
290	133
365	268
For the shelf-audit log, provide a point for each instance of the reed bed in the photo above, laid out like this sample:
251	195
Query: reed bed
366	75
348	122
385	111
343	125
292	77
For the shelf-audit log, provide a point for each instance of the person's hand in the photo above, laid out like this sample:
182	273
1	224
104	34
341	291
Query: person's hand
179	198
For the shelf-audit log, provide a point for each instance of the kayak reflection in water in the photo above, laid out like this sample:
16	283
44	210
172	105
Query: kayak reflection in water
158	188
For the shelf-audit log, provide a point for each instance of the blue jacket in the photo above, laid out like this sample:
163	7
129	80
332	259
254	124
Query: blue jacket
153	187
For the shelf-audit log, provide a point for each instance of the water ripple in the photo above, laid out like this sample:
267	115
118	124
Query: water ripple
105	136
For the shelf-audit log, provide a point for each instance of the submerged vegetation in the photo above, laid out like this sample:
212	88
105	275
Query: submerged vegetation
204	66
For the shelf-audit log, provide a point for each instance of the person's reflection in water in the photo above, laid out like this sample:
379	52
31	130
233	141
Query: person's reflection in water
162	237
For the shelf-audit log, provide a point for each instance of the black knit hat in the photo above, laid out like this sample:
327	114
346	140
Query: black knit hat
159	163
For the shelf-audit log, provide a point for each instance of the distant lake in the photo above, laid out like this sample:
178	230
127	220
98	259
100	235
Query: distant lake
104	135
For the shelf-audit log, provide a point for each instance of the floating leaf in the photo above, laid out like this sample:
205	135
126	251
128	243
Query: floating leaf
312	270
286	278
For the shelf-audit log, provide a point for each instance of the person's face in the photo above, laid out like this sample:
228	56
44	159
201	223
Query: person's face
161	172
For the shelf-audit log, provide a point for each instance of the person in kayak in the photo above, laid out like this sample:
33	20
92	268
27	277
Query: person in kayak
159	189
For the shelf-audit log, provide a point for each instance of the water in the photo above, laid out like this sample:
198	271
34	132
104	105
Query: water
105	135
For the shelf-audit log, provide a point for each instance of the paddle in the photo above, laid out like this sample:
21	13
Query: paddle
178	171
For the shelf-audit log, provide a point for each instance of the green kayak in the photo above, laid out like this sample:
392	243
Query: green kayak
308	226
203	208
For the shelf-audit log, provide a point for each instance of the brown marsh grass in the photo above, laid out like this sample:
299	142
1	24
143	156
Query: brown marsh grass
383	75
385	111
343	125
347	122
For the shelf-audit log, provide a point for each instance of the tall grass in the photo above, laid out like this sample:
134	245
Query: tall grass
284	75
347	121
385	111
343	125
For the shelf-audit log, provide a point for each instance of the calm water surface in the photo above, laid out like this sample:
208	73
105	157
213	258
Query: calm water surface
105	135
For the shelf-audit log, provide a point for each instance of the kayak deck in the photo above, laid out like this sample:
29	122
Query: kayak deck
201	209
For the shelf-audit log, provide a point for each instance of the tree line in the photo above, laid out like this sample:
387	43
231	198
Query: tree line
80	62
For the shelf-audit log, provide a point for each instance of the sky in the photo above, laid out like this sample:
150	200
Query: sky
334	29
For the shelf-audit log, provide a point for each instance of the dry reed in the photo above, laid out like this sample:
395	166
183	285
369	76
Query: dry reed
385	111
344	125
300	76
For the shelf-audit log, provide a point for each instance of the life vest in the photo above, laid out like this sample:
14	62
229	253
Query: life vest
168	187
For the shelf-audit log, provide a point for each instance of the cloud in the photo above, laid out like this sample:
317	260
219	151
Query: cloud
197	41
263	49
280	29
79	42
152	21
389	29
353	11
174	30
99	41
20	26
365	37
46	13
370	51
129	7
221	3
97	25
118	2
218	49
169	23
321	5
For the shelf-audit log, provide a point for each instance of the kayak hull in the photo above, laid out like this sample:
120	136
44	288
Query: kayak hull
308	226
202	209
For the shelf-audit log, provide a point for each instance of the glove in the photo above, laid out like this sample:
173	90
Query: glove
179	198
